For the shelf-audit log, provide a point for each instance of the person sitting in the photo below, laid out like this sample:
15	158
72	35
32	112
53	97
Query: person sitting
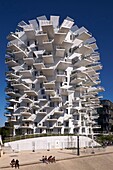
12	163
43	159
49	159
46	160
53	160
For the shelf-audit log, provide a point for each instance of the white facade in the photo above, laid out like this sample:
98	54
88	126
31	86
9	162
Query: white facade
53	142
53	78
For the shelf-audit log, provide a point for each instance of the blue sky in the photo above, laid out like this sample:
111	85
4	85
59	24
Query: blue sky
96	16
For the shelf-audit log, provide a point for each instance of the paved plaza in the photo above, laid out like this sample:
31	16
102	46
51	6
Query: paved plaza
29	159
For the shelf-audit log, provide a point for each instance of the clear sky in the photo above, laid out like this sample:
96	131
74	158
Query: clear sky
96	16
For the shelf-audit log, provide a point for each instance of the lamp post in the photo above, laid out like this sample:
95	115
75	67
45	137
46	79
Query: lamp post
78	147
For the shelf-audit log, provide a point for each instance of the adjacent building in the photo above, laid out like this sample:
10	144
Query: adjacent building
52	78
105	119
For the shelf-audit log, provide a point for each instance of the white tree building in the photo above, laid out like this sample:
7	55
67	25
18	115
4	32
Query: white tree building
53	78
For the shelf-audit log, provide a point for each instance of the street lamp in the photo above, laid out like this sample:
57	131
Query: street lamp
78	147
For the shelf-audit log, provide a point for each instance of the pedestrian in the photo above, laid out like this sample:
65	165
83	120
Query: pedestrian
12	163
17	163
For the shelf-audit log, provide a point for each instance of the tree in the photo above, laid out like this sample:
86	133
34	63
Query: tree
4	132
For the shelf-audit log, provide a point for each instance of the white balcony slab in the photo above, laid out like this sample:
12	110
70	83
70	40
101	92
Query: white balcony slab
49	30
48	59
59	38
41	38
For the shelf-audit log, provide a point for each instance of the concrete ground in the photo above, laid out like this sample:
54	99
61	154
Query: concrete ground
65	159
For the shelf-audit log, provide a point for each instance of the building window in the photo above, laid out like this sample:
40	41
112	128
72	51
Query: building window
42	91
33	86
28	43
51	104
35	98
36	73
41	85
29	67
66	98
60	83
66	124
44	97
41	73
67	111
34	111
83	130
18	104
35	124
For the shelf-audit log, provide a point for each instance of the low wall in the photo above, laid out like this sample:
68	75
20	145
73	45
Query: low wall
52	142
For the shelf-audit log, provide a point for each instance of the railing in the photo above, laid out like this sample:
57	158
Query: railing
20	137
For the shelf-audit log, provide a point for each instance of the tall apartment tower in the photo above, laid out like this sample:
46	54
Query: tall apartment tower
52	78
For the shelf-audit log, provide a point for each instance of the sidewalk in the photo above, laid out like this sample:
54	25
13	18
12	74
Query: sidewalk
30	158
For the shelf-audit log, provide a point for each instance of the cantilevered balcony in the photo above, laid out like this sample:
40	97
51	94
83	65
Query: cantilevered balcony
12	36
67	45
80	88
56	98
42	112
83	62
50	91
49	85
30	32
49	30
76	44
60	76
25	126
52	118
59	38
11	100
13	46
97	67
62	65
41	78
10	108
13	93
20	54
26	73
84	36
27	100
66	25
85	50
60	52
28	61
58	112
31	92
25	113
48	71
26	119
11	62
48	46
11	119
76	79
42	38
20	86
7	114
11	74
39	66
48	59
63	91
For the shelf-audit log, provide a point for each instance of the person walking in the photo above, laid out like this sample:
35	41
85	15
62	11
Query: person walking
17	163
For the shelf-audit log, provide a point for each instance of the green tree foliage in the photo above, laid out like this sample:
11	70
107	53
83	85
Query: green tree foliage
4	132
